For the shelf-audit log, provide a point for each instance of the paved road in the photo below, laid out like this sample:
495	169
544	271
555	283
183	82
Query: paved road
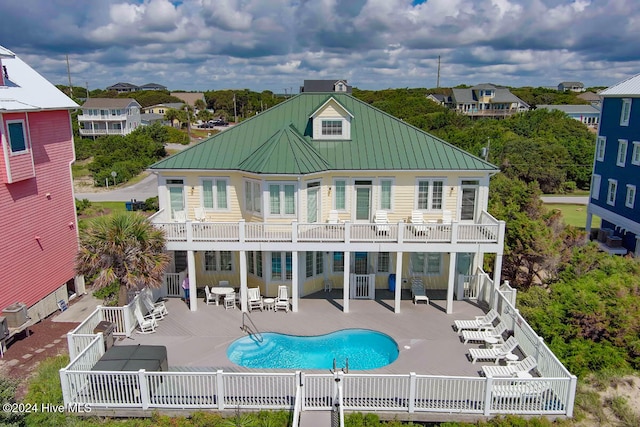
142	190
573	200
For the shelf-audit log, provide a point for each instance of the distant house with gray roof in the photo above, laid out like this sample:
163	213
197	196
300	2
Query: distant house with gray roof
109	116
571	86
487	100
593	98
339	86
587	114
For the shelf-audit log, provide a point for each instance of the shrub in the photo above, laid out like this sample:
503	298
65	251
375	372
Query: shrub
8	389
82	205
151	204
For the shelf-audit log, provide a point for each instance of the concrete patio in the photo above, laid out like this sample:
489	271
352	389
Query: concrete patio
198	341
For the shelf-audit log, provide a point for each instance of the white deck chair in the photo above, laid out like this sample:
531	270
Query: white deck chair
199	214
230	300
417	290
525	390
333	217
447	217
179	216
496	354
282	302
156	304
145	326
382	222
496	333
254	299
479	323
209	297
417	219
157	312
525	365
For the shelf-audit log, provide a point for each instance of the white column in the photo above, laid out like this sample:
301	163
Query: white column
345	287
497	271
451	282
398	291
191	268
243	280
294	282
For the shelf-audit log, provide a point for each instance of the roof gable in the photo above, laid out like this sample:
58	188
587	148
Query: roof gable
330	101
110	103
378	141
628	87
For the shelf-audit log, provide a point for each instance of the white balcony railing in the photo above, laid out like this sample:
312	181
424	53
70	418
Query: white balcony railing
88	118
487	230
102	132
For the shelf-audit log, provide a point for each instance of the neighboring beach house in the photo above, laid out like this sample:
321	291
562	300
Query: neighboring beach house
586	114
109	116
616	169
486	100
571	86
324	190
39	227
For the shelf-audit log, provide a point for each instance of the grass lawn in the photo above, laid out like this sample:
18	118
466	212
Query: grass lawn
575	215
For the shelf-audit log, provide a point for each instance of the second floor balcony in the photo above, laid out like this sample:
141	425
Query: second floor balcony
487	231
102	117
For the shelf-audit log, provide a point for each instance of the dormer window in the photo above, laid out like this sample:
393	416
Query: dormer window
331	127
340	87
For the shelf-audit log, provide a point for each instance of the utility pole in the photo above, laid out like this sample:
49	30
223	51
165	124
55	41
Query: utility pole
86	85
69	76
235	111
438	81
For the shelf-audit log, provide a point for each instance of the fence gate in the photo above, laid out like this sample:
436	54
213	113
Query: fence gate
362	286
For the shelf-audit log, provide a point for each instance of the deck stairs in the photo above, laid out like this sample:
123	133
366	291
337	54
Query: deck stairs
316	419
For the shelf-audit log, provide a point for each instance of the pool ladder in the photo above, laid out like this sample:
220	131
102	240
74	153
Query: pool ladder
345	369
251	328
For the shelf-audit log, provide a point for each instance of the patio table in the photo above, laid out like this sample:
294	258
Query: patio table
221	291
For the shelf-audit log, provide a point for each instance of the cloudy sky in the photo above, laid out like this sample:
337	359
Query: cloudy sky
276	44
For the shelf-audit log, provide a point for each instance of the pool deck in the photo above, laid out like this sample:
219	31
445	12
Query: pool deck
198	341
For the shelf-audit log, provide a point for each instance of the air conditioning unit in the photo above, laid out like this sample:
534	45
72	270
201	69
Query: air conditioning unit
16	314
4	328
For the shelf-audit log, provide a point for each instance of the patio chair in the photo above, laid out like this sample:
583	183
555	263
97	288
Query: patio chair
525	365
209	297
157	312
417	221
254	299
282	302
161	304
223	283
447	217
496	354
496	333
525	390
417	290
145	325
230	300
382	222
179	216
477	324
198	214
333	217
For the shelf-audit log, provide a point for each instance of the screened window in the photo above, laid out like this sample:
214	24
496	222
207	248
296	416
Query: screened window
218	261
600	146
309	264
383	262
319	263
385	194
611	192
259	263
214	193
282	199
252	196
630	200
288	265
426	263
210	261
434	261
622	152
251	262
332	127
417	262
430	194
635	156
276	266
17	136
340	200
338	262
626	112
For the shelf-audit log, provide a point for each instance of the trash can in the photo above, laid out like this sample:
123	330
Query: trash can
392	282
107	328
128	205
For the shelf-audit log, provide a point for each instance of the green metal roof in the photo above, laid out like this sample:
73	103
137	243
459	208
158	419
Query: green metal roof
278	141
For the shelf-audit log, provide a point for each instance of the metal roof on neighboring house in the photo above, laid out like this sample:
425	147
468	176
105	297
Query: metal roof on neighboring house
572	109
122	85
174	105
153	86
630	87
501	95
279	141
26	90
189	97
109	103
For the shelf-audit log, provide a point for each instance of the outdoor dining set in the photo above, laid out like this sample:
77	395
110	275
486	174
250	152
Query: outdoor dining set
231	298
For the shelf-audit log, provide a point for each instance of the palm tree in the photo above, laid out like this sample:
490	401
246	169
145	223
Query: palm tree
124	248
171	115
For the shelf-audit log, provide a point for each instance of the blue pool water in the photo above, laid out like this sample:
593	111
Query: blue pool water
365	349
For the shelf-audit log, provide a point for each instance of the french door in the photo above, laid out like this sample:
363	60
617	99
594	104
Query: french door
363	201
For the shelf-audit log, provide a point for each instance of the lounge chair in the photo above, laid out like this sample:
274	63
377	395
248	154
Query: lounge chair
230	300
382	222
333	217
282	302
479	323
496	333
525	365
417	221
199	214
531	389
209	297
496	354
417	290
145	325
254	299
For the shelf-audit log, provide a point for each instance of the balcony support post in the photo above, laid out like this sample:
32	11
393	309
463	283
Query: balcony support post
398	289
345	278
193	286
243	281
294	281
451	281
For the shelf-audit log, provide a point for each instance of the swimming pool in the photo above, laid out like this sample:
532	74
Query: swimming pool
364	348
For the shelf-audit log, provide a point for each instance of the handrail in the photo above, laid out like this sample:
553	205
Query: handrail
246	328
297	405
341	404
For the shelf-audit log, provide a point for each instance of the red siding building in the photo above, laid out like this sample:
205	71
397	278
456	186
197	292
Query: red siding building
38	229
